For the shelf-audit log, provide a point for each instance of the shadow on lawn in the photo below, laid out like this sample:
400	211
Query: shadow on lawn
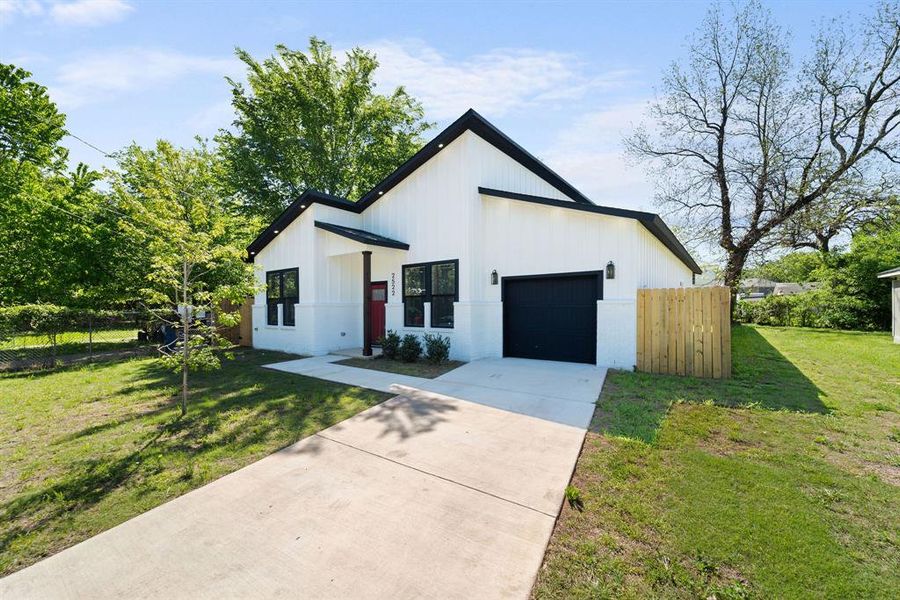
236	415
634	404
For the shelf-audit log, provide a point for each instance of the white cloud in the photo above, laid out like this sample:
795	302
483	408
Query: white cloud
496	82
90	12
13	8
102	77
590	154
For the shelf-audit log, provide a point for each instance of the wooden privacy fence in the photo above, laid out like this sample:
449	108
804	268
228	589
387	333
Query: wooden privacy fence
684	331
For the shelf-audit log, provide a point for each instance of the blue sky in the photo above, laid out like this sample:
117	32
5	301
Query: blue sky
564	79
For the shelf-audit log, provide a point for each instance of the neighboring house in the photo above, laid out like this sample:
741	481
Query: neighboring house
792	289
472	238
754	288
894	276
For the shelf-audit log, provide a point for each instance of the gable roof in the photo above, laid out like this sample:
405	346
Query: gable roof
362	236
474	122
651	221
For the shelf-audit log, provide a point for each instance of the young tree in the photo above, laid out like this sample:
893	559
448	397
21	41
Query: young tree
178	208
309	120
746	142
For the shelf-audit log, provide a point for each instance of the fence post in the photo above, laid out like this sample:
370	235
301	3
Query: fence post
90	337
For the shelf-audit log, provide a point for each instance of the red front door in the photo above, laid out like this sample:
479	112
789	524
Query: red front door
379	298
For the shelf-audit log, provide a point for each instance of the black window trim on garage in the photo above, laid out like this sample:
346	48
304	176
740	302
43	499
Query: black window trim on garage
428	285
599	275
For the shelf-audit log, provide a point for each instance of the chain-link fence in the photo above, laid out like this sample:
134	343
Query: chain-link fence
38	340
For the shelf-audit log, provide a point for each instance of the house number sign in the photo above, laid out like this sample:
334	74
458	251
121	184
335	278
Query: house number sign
393	284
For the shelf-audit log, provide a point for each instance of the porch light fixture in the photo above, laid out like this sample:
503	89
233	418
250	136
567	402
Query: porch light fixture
494	277
610	270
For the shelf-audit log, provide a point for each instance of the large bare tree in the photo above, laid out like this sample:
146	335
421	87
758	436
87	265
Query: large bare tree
743	141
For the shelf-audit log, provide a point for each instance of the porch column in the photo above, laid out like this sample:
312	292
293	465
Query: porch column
367	303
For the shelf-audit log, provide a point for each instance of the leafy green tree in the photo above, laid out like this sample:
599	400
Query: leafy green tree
793	267
55	235
180	211
309	120
31	128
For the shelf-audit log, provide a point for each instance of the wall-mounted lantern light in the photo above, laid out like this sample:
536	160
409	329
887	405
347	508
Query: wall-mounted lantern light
494	277
610	270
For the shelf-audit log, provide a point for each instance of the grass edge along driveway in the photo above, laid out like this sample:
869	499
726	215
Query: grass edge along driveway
85	448
781	482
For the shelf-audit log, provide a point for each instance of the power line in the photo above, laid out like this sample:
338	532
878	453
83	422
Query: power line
88	144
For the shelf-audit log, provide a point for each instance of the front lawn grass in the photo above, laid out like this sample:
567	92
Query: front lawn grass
779	483
416	369
85	448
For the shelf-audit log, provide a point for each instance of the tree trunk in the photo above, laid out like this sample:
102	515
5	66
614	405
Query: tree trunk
185	348
734	267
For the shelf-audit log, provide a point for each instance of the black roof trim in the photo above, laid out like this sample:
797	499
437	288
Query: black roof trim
361	236
651	221
472	121
293	211
469	121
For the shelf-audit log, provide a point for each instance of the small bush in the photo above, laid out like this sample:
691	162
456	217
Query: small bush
390	345
410	348
437	348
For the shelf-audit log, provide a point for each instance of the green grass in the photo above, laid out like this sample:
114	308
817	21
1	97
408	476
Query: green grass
779	483
84	449
416	369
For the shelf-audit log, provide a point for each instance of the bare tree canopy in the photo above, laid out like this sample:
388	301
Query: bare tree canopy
743	141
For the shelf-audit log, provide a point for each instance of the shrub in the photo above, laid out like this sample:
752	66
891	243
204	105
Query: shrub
390	345
822	308
437	348
410	348
37	318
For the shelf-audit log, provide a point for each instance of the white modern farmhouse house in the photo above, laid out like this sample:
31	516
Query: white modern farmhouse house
473	238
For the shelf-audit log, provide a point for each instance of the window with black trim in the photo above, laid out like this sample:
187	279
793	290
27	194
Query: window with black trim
282	287
435	282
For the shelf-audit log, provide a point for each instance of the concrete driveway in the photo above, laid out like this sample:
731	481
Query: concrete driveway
428	494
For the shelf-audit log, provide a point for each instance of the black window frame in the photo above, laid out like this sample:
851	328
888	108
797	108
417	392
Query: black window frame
428	295
288	318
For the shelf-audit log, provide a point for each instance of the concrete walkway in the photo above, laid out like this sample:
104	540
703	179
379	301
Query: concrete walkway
425	495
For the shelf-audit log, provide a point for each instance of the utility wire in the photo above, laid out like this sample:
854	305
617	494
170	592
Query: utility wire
88	144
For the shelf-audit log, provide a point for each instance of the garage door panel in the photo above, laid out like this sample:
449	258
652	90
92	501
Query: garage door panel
551	318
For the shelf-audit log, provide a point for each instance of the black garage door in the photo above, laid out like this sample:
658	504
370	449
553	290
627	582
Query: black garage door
551	317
